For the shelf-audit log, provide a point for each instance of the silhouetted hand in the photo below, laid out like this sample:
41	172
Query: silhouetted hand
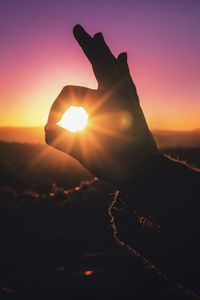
117	141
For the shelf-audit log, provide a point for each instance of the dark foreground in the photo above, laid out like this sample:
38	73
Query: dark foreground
56	238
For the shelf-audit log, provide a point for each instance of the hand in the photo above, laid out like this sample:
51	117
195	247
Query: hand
117	141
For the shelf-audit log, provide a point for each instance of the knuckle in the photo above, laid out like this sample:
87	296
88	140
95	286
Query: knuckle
66	88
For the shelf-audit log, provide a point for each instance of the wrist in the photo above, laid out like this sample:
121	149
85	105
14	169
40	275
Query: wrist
145	172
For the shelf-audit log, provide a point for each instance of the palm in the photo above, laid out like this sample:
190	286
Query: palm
118	138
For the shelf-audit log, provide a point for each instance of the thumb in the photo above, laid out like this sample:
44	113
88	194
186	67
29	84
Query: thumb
64	140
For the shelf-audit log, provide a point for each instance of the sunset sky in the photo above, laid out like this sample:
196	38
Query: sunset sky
38	55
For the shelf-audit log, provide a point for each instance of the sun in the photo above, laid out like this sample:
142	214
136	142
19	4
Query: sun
74	119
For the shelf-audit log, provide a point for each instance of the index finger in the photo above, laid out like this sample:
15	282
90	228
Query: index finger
103	61
70	96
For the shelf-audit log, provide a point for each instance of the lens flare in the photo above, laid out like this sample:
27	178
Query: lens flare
74	119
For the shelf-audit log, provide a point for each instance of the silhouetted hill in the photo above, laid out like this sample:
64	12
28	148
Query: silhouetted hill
33	135
53	234
178	139
37	167
164	138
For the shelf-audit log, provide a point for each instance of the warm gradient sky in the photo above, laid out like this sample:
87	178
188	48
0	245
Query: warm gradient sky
38	55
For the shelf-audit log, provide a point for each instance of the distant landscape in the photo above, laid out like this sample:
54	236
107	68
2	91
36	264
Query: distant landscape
164	138
54	215
38	167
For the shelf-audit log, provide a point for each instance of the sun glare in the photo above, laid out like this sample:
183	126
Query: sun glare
74	119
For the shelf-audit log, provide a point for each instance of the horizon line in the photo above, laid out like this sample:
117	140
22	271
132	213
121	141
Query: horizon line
153	129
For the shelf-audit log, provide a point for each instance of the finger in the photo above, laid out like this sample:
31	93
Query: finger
103	61
125	74
70	96
106	69
85	41
103	48
64	141
122	59
78	145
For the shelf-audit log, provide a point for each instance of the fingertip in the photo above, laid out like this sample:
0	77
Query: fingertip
122	57
77	28
81	34
53	133
98	35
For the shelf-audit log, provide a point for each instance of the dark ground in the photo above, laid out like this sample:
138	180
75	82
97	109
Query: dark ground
56	238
